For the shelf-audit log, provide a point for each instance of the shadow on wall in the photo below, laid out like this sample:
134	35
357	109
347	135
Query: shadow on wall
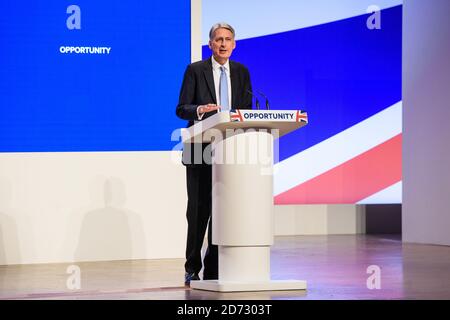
110	232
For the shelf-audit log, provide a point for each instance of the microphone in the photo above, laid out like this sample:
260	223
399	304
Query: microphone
256	99
267	100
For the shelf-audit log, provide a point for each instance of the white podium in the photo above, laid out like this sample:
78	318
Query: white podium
242	196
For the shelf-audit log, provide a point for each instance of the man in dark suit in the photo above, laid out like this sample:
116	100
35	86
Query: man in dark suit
209	86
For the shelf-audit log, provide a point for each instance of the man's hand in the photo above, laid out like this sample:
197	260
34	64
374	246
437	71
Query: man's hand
207	108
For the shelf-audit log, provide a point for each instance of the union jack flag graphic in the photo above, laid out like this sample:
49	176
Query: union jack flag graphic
301	116
235	116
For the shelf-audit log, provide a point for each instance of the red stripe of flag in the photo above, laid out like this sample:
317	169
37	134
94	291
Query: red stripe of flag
352	181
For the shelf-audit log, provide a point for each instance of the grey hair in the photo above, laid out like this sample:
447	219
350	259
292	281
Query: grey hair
218	26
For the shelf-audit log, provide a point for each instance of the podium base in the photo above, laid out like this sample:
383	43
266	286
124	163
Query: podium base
235	286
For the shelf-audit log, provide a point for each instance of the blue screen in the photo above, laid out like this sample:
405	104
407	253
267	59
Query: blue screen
97	76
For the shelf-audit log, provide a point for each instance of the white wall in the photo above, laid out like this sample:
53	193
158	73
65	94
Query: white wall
319	219
61	207
92	206
426	132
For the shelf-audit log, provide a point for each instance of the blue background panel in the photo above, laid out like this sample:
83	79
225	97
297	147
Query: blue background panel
67	102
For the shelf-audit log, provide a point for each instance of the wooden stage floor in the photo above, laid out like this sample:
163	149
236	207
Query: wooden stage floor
334	266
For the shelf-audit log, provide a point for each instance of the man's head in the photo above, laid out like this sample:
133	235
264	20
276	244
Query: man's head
221	41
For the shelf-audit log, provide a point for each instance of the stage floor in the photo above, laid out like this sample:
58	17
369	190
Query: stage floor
335	267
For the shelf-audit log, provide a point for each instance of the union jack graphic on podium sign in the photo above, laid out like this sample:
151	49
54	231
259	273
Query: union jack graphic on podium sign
301	116
268	115
235	115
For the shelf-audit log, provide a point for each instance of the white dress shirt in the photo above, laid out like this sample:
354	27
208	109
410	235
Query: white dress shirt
216	74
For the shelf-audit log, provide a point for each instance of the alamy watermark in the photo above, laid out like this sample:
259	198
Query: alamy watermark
230	146
374	20
73	281
374	280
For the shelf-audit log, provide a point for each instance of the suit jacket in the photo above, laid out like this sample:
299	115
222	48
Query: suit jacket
198	89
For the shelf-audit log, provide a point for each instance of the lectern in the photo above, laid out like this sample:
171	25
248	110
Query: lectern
243	150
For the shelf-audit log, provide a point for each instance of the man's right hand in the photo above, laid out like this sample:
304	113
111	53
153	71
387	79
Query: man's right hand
207	108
